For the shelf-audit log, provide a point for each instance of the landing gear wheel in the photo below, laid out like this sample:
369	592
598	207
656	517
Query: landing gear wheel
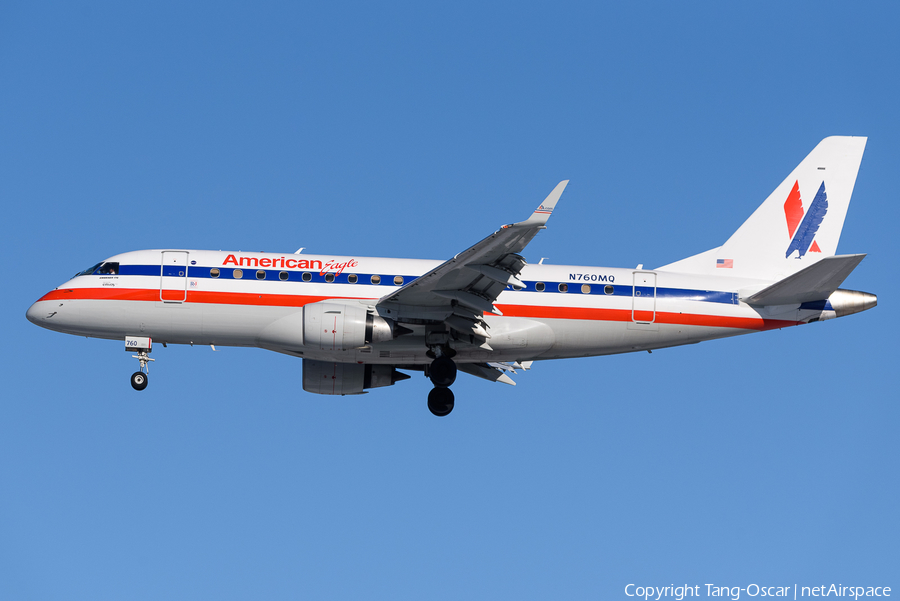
139	380
440	401
442	372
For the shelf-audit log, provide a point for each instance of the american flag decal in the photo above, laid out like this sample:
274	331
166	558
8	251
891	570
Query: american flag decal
725	263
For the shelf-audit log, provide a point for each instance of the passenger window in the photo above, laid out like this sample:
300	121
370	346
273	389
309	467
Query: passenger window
283	276
329	277
261	274
238	274
352	278
376	279
539	286
306	277
608	289
585	288
398	280
214	273
563	287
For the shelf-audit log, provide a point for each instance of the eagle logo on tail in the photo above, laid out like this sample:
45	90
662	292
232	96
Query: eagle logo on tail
802	229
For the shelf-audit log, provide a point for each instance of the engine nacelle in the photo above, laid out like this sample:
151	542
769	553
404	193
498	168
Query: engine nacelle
326	377
336	327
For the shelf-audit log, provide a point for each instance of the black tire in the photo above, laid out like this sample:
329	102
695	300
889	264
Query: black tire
139	380
442	372
440	401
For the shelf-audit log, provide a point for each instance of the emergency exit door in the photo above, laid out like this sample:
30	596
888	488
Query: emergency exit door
643	306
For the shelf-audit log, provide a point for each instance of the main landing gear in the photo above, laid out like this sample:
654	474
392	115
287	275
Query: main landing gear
442	373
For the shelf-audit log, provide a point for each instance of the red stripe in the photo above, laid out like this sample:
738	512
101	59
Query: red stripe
292	300
687	319
193	296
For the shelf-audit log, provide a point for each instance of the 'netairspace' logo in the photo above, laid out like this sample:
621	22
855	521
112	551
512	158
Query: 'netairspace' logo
678	593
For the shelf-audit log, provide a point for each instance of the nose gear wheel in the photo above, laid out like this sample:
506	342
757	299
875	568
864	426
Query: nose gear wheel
139	380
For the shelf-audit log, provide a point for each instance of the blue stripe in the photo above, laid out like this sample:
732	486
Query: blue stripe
139	269
227	273
819	305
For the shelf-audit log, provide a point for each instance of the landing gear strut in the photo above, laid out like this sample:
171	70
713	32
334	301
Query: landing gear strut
139	379
442	373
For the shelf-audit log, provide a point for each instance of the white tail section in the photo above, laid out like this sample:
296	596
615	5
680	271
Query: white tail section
798	225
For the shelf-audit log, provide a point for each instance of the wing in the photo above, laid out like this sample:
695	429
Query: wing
465	287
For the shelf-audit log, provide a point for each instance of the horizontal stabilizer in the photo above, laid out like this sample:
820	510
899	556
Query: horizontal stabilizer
485	372
816	282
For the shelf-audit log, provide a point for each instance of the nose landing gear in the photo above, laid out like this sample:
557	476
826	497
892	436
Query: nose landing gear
140	378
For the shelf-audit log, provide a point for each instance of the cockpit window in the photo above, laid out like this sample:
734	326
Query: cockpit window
101	268
90	269
108	269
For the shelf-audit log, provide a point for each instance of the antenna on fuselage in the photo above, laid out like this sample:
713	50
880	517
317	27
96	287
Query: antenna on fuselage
299	250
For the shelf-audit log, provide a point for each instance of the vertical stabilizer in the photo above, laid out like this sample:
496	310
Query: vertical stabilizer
799	223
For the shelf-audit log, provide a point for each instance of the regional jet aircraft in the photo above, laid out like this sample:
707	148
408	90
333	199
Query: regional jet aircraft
357	321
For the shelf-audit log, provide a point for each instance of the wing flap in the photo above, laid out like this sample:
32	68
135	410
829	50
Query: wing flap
485	372
498	275
468	299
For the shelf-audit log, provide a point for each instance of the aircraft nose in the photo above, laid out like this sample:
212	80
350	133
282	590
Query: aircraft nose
41	312
34	313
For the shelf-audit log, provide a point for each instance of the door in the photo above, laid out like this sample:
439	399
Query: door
643	307
173	276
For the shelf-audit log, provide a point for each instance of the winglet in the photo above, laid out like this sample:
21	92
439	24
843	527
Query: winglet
542	213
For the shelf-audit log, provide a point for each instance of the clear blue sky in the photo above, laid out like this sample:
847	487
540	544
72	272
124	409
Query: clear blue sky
414	130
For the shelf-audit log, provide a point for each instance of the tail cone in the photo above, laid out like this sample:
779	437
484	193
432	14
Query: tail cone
847	302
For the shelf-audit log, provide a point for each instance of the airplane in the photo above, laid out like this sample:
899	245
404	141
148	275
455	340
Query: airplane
357	321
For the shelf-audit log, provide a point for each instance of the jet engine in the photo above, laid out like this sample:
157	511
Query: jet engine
335	327
326	377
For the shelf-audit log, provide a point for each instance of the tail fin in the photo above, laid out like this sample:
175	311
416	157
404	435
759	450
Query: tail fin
798	225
